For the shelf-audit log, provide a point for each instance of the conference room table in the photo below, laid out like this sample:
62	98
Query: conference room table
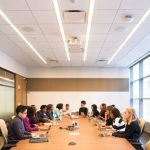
86	137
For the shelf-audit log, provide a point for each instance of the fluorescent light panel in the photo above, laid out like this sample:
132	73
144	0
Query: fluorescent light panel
91	9
22	36
130	35
55	3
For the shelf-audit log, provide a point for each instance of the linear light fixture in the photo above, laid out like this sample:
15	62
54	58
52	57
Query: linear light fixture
130	35
22	36
55	3
91	9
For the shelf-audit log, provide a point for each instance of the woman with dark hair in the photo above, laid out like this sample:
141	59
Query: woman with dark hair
26	121
49	111
95	112
41	114
57	112
108	119
33	116
118	123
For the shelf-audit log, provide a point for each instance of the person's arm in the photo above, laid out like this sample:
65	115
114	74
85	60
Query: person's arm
127	133
28	127
80	111
19	130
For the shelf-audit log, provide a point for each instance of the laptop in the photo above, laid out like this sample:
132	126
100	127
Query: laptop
40	138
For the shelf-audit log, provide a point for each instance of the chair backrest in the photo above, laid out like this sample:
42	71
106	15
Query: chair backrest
147	145
4	130
1	142
142	124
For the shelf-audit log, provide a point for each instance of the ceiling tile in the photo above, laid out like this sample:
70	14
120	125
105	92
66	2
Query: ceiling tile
107	4
6	29
134	4
40	4
13	5
20	17
45	17
103	16
50	29
74	29
100	28
77	5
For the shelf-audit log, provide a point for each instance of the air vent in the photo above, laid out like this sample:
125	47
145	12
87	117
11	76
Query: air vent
74	16
52	62
74	45
102	60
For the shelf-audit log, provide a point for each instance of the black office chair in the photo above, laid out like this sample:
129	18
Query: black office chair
136	142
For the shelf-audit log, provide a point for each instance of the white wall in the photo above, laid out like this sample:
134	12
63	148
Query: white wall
120	99
79	72
10	64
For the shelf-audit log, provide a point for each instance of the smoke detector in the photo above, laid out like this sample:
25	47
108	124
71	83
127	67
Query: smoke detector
128	18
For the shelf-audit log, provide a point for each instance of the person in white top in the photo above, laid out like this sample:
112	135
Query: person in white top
67	111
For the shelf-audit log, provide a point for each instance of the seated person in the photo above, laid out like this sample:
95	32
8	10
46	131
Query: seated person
102	112
132	129
34	119
108	119
58	111
83	109
41	114
95	112
49	111
67	110
118	123
16	130
27	124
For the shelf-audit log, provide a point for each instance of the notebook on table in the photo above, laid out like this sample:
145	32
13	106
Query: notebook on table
39	138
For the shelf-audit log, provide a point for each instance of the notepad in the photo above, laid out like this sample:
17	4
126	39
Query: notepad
74	133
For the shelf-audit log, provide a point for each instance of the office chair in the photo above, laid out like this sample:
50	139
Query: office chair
147	145
7	144
136	142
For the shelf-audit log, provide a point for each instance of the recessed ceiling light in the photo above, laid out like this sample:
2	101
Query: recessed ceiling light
130	35
22	36
28	29
91	9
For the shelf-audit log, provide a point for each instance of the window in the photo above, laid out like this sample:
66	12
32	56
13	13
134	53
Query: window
140	88
7	94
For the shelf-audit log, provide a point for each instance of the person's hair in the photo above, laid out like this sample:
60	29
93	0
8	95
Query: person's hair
113	105
43	106
21	108
59	106
116	113
30	111
49	107
132	114
94	107
103	105
67	105
83	102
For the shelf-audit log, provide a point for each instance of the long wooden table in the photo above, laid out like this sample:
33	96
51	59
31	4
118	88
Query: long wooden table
87	139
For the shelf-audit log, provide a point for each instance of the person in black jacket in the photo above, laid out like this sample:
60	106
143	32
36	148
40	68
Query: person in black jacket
83	110
95	112
132	129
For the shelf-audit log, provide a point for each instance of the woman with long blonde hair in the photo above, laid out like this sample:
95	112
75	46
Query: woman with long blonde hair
132	129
